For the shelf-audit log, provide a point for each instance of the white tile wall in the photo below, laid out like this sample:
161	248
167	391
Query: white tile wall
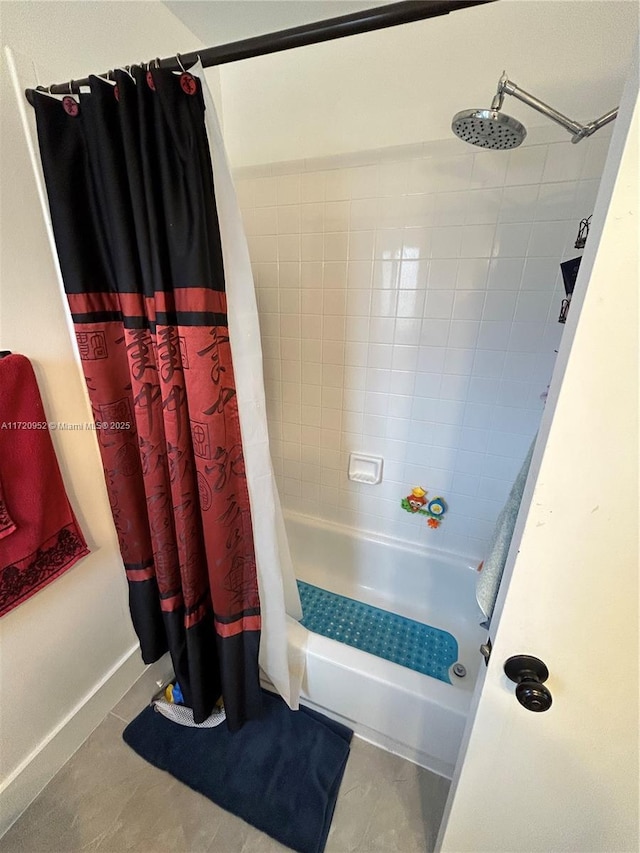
408	302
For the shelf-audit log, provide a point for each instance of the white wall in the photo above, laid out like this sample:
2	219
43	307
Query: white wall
409	302
446	388
403	84
58	647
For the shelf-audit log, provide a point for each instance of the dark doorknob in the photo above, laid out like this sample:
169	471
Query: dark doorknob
529	673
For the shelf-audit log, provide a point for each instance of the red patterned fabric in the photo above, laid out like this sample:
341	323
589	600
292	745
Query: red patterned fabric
170	442
133	209
39	535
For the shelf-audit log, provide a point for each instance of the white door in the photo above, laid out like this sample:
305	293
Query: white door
567	779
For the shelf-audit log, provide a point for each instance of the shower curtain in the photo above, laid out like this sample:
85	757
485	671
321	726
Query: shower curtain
157	276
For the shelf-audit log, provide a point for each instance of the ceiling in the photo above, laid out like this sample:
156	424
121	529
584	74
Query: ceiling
221	21
402	84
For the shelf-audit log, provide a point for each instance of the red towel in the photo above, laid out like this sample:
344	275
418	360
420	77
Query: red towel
39	535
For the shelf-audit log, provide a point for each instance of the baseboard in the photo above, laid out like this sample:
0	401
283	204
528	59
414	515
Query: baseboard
42	764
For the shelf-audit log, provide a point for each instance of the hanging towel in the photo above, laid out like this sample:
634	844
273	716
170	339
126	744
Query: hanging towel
488	582
39	535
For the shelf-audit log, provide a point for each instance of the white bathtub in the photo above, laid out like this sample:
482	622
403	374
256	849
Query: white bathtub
413	715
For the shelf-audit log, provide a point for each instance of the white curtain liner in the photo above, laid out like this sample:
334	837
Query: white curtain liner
282	640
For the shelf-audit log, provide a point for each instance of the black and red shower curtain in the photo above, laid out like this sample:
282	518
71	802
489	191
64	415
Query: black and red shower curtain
131	193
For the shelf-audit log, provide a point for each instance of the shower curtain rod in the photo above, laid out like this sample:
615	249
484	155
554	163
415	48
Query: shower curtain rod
377	18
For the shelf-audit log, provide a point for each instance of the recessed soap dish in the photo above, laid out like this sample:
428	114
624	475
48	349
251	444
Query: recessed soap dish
365	469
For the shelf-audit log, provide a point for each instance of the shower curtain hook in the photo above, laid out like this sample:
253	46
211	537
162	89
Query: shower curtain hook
157	62
70	85
184	70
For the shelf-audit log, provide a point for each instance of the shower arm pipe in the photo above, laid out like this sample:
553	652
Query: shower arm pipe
579	131
376	18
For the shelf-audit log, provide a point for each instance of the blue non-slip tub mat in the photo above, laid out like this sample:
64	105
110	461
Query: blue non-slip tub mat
422	648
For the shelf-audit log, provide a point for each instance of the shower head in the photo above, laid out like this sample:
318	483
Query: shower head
488	129
493	129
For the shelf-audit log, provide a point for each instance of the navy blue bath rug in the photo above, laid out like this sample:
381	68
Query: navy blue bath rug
281	773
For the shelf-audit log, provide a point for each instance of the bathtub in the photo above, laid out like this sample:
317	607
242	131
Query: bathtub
405	712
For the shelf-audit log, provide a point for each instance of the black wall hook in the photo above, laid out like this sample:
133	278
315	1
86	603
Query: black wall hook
583	233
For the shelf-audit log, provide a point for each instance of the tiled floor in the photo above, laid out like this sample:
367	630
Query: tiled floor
106	798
